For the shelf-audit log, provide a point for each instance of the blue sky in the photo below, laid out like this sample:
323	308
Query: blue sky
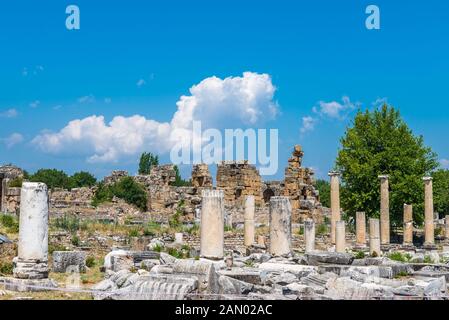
139	57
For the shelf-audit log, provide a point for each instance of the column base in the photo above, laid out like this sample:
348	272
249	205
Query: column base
30	269
430	246
27	285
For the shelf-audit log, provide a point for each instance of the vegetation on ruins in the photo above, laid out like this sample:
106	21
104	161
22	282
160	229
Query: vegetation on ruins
126	188
324	188
54	178
380	142
179	181
146	162
9	222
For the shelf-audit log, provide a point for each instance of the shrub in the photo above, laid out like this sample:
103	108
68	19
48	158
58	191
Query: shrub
52	247
75	240
428	259
16	182
6	268
10	223
67	222
359	255
90	262
322	229
127	189
398	256
133	233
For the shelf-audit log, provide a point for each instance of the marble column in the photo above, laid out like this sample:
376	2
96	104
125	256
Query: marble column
446	229
374	237
340	237
360	228
32	259
309	235
335	201
212	225
280	226
249	221
428	212
384	210
408	225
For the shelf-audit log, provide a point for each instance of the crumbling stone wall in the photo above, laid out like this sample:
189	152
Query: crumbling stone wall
115	176
299	186
9	201
239	179
201	177
77	197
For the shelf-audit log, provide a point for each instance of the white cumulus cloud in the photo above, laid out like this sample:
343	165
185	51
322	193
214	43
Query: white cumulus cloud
308	124
444	163
12	140
10	113
334	109
216	102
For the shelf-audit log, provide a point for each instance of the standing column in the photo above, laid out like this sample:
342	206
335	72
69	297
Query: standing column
446	229
249	221
212	224
408	225
374	237
32	259
384	210
335	202
309	235
280	226
428	211
360	228
340	237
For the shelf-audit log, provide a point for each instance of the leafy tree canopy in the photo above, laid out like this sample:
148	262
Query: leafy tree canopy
441	192
324	188
82	179
146	162
179	181
380	142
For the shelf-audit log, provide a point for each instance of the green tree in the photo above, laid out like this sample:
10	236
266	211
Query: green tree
441	192
179	181
380	142
53	178
324	188
147	161
82	179
127	189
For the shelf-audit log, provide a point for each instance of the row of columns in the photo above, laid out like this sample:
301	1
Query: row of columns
385	213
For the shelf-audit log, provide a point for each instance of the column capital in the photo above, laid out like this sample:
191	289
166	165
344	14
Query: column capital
334	173
383	177
427	179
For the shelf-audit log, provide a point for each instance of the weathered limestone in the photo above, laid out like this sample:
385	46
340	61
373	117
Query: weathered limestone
249	221
384	210
179	238
360	221
280	226
309	235
335	202
408	225
63	260
201	177
446	229
32	259
340	237
428	212
374	237
212	224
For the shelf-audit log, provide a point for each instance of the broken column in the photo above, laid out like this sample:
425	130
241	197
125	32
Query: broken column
360	227
31	265
428	212
374	237
212	224
309	235
249	221
335	202
408	225
280	226
340	237
384	210
32	259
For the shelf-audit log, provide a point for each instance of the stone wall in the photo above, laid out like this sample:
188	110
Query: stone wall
239	179
201	176
8	200
115	176
77	197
